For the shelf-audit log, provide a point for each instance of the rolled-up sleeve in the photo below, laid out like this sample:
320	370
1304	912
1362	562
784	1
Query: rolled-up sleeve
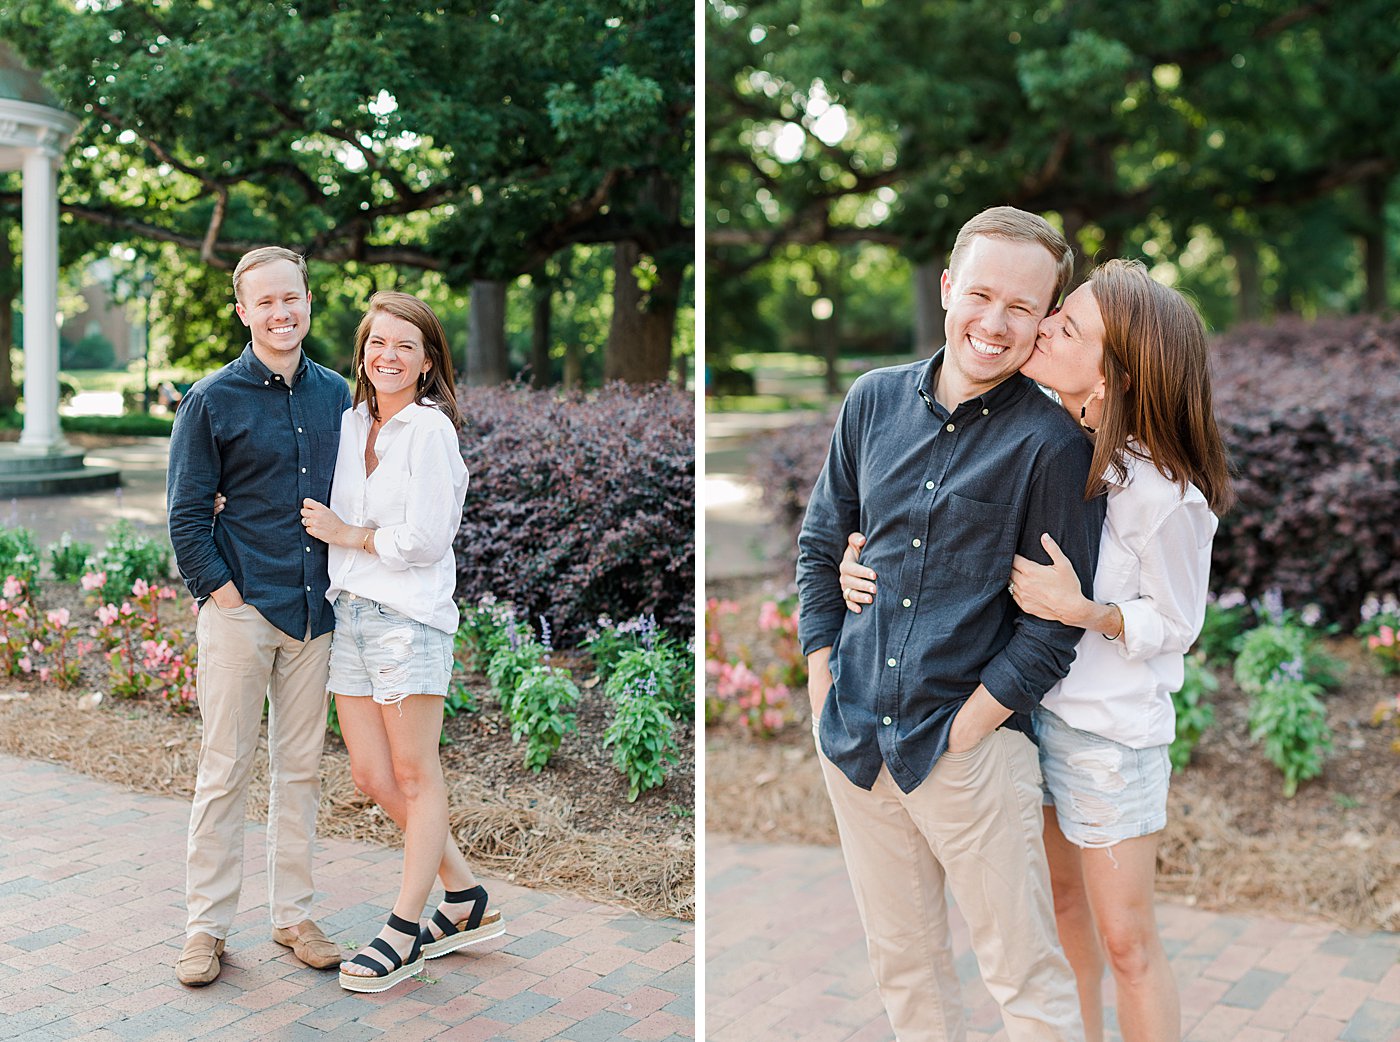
1040	652
193	477
833	512
1167	616
437	487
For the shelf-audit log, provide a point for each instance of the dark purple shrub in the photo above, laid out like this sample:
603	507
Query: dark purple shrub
1310	413
580	505
784	463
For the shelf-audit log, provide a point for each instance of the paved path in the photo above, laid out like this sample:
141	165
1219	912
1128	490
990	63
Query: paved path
87	517
785	960
92	917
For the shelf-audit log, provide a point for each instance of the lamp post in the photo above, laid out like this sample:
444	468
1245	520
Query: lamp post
148	285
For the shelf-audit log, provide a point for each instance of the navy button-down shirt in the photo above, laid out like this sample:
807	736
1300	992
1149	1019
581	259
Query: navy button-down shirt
266	445
945	501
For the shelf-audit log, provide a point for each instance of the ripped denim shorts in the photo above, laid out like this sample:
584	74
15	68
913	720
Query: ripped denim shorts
379	652
1102	792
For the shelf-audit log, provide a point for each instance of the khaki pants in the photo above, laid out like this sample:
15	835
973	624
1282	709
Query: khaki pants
975	824
244	659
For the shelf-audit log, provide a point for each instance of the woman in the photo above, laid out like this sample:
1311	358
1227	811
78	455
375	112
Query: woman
396	505
1128	357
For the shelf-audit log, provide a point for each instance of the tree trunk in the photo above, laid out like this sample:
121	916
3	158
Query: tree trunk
1249	296
828	330
487	360
1374	191
928	308
9	285
543	292
573	365
643	321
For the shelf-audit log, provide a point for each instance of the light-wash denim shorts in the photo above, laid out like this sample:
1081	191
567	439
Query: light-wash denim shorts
1102	792
379	652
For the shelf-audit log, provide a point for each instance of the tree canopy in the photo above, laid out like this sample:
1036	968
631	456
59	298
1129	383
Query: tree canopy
476	141
1248	148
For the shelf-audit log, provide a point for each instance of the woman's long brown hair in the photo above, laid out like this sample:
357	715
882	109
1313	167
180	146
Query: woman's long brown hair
436	384
1156	369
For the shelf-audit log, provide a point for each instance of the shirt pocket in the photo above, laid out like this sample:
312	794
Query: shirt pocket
980	538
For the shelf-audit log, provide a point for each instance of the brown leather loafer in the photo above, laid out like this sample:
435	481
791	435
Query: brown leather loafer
199	960
309	945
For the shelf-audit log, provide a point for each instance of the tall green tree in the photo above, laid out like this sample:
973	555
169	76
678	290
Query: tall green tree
473	140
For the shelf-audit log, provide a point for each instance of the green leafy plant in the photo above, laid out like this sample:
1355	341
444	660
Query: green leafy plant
69	558
639	652
1283	672
641	736
1194	713
540	712
1223	629
509	665
129	556
19	556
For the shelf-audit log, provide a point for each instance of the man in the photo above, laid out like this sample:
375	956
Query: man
264	431
950	466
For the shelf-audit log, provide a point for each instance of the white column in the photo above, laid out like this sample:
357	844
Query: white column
40	263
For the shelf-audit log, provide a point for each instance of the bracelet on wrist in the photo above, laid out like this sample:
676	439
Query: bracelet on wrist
364	543
1122	623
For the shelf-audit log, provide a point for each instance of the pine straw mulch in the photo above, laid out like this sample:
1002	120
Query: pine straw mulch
568	828
1232	843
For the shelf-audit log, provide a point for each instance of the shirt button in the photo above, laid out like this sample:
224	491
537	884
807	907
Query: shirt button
308	589
307	549
298	430
303	470
918	542
928	484
888	721
907	602
888	661
950	426
986	412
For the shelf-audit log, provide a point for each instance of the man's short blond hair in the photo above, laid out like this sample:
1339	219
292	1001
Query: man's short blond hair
266	255
1007	222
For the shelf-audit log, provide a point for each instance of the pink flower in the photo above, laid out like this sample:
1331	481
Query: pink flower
58	618
82	647
772	719
140	588
94	580
770	616
1387	635
36	645
13	587
107	614
45	673
26	665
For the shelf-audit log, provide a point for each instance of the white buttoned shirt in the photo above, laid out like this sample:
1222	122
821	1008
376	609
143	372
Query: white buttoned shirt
1154	563
413	501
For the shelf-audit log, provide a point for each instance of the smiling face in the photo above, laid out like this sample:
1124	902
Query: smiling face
1068	353
394	357
994	301
275	305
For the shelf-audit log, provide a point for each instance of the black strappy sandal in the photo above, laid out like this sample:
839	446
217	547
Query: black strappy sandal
479	925
398	970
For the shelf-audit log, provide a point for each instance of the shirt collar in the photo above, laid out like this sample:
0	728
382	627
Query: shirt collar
405	414
1002	395
263	373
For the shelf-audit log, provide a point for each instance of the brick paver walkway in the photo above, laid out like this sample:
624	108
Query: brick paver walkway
92	919
785	960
